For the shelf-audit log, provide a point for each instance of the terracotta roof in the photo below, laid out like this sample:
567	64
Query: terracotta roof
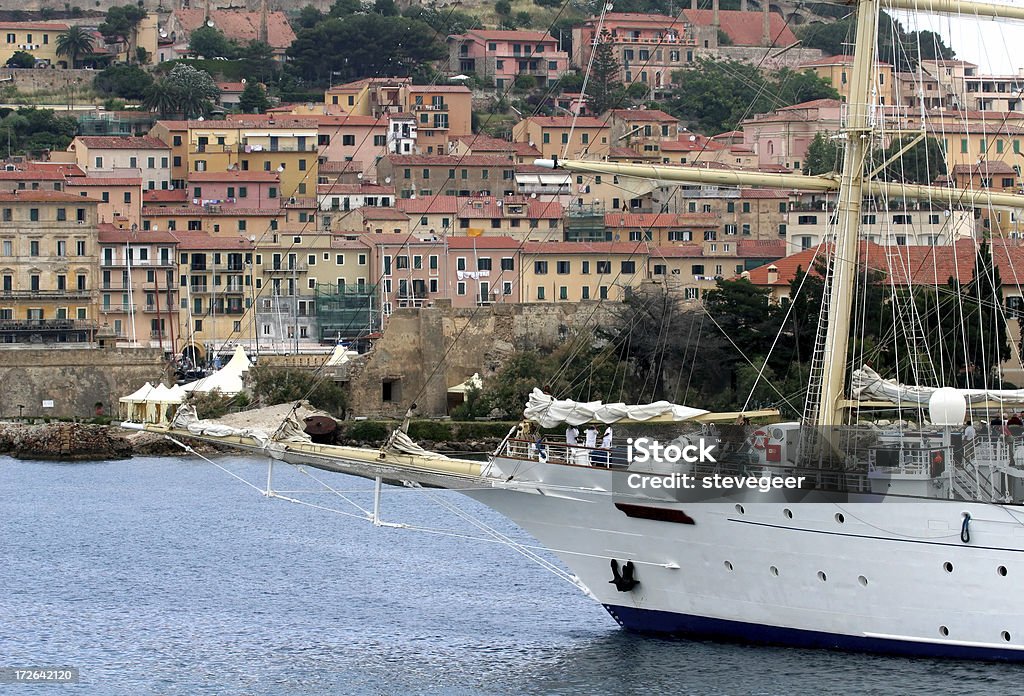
691	142
813	104
622	152
334	167
202	240
234	175
626	248
354	189
745	28
985	168
761	248
231	86
173	125
35	26
485	143
110	234
567	121
907	265
324	120
508	35
43	197
66	168
23	175
168	196
643	115
381	213
258	121
119	142
483	243
453	161
106	181
240	25
683	251
764	193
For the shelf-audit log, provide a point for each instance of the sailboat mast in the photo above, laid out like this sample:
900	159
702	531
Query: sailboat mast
858	144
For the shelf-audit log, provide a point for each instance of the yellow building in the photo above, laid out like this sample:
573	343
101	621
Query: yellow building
284	144
575	271
36	38
174	134
839	69
48	265
565	136
219	221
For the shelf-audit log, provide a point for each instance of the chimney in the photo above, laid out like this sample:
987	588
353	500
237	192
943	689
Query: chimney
766	32
773	274
743	5
693	5
715	21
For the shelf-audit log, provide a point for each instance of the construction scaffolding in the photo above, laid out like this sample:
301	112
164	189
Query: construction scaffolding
346	312
585	223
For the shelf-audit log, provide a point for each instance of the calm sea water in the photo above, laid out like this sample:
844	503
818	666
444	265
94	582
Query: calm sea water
168	576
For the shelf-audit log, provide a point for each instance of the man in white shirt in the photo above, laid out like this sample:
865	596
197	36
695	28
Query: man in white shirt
591	443
606	444
572	434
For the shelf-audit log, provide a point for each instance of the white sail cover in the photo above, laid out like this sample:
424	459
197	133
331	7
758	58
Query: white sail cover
549	412
227	380
868	385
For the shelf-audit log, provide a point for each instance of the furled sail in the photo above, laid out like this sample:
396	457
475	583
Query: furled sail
549	412
868	385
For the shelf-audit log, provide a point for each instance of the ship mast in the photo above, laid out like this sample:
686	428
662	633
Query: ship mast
851	185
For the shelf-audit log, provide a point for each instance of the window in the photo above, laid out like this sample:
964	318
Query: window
540	293
483	264
33	214
540	268
348	140
807	220
33	248
604	267
507	264
62	214
629	266
562	268
697	269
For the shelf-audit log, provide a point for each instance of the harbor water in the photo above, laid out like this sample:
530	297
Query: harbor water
171	576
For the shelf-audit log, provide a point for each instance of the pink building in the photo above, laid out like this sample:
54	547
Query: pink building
780	139
357	141
483	270
236	189
504	55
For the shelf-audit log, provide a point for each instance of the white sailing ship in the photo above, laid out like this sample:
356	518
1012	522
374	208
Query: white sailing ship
904	543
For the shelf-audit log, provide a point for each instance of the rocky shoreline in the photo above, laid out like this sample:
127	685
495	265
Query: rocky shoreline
88	442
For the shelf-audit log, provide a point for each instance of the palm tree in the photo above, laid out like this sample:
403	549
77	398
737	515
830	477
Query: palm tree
164	97
73	43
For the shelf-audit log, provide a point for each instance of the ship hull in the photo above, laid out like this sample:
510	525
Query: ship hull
891	576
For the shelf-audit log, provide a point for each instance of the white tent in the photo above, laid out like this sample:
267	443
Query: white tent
227	380
133	406
474	382
161	403
340	356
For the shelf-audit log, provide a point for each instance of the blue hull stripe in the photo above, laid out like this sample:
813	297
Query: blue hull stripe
699	627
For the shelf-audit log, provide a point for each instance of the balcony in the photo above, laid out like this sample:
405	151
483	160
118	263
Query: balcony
117	309
429	107
281	269
246	148
45	294
7	325
137	263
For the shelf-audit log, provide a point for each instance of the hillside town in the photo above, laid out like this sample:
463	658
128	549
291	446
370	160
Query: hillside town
248	218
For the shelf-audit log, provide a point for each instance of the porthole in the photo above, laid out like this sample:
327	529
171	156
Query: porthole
948	566
822	576
1001	570
728	565
862	580
788	513
943	631
739	509
840	518
774	571
1006	636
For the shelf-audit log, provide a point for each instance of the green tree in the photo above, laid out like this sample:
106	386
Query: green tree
345	8
21	59
309	16
921	164
210	42
443	21
254	99
123	22
386	8
185	91
896	45
31	131
824	155
605	87
125	81
362	46
276	385
74	43
503	8
257	61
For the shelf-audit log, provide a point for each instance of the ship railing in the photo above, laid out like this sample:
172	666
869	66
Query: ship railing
561	453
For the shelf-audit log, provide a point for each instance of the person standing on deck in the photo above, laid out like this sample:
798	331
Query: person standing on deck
606	444
590	441
572	434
